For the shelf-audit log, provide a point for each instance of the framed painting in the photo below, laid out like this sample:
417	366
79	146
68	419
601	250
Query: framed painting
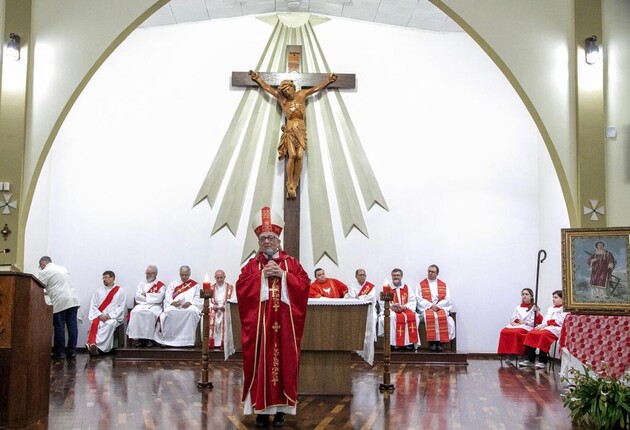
595	266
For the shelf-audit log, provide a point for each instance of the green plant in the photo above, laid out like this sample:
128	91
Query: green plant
598	401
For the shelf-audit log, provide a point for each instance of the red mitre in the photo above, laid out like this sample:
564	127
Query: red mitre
267	221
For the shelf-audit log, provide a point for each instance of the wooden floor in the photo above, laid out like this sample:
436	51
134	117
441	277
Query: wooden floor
104	393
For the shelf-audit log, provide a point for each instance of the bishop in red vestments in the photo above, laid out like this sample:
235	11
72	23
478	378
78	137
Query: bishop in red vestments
272	292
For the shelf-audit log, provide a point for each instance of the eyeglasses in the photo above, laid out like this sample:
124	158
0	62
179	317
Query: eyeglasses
432	271
265	238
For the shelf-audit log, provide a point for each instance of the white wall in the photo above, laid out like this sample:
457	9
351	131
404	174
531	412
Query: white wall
468	182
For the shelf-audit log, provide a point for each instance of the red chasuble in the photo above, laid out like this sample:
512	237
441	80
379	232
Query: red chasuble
337	289
432	318
271	332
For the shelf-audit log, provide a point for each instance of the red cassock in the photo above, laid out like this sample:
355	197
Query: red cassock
271	332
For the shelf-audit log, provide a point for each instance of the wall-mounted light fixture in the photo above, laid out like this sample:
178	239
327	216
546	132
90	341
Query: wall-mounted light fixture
13	47
591	50
5	232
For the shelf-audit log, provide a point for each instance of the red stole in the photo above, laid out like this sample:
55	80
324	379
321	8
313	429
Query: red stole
366	288
405	319
433	318
183	287
213	314
271	332
155	288
94	327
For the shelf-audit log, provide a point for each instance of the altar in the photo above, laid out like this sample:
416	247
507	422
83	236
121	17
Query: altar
334	328
601	342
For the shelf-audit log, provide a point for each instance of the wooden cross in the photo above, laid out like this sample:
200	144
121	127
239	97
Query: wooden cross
301	80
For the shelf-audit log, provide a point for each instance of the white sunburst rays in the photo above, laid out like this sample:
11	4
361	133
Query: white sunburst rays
594	209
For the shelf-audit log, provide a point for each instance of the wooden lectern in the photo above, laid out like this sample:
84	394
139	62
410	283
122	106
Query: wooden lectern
25	342
331	334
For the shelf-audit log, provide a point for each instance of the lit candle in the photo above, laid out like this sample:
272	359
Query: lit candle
206	284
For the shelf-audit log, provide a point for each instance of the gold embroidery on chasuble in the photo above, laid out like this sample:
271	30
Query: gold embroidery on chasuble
275	367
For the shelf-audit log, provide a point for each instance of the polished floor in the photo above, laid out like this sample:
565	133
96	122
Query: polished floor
104	394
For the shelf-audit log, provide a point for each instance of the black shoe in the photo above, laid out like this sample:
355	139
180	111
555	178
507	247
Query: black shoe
71	356
409	347
433	347
150	344
440	348
278	419
92	349
57	356
395	348
262	421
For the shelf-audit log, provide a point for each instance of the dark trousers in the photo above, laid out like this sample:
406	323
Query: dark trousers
530	353
62	320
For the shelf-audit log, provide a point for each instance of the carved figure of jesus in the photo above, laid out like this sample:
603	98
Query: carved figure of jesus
293	141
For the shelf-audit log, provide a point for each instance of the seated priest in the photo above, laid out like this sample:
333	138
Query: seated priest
434	306
222	292
178	323
362	288
403	318
147	308
107	311
327	287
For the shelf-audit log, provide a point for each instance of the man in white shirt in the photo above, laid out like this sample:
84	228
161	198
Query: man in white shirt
177	325
107	311
148	307
65	304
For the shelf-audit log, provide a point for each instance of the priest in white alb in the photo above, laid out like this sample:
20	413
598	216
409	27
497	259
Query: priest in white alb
178	323
434	306
222	293
107	311
148	307
403	320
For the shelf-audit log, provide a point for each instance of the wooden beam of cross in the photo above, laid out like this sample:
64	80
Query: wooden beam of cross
300	80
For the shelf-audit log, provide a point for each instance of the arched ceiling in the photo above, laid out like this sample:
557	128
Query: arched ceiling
419	14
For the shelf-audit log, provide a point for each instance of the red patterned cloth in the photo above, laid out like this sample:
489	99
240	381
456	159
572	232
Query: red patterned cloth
601	342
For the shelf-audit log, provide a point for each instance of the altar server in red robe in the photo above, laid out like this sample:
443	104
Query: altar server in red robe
545	334
327	287
272	292
524	318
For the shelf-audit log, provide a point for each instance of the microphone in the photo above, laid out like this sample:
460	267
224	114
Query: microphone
269	253
5	251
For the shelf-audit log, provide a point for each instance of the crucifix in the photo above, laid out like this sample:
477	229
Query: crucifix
293	87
